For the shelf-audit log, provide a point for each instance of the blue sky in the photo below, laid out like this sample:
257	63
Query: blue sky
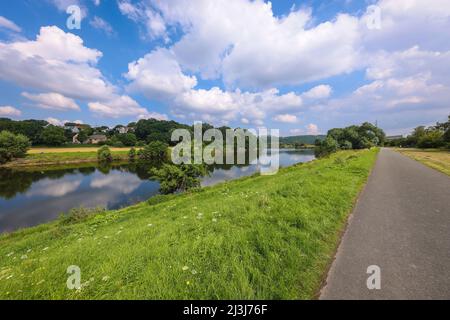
299	66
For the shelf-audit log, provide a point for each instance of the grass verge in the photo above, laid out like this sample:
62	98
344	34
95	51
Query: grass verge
260	237
436	159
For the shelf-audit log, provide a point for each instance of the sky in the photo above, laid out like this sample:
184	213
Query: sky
302	67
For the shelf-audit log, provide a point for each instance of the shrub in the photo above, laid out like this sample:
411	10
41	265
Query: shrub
155	152
104	154
132	154
13	146
174	178
326	147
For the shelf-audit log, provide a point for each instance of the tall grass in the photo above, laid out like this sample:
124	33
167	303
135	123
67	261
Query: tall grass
265	237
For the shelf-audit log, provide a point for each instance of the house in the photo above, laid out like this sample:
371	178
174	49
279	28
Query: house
96	139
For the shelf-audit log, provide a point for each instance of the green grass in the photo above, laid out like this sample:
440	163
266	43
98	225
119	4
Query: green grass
62	158
67	156
261	237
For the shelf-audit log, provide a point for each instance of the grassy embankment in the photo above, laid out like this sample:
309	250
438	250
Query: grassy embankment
260	237
436	159
63	156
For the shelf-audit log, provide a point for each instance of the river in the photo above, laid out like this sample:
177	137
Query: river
29	198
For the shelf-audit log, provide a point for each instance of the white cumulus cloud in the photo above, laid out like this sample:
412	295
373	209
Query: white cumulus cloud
286	118
8	111
53	101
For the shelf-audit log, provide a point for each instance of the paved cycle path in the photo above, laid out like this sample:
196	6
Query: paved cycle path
401	223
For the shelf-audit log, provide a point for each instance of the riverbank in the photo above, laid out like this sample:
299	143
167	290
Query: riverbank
261	237
41	157
433	158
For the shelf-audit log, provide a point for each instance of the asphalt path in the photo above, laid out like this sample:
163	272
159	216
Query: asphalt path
401	224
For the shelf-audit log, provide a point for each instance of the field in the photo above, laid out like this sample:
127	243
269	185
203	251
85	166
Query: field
260	237
73	150
64	156
436	159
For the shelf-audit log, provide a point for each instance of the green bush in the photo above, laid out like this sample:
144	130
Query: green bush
132	154
154	152
104	154
13	146
174	178
326	147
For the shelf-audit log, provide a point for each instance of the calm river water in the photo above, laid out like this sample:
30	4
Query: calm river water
31	198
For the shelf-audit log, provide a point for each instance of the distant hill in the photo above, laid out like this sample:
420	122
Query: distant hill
307	139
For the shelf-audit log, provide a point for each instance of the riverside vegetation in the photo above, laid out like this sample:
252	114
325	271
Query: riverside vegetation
261	237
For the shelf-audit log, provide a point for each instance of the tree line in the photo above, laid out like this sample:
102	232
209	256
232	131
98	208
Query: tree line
437	136
364	136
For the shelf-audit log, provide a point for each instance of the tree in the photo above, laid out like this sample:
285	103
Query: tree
174	178
104	154
355	137
433	138
416	135
127	139
337	134
83	136
12	146
445	127
346	145
326	147
115	142
32	129
53	136
373	135
154	151
151	130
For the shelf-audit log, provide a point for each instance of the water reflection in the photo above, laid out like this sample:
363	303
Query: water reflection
28	198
